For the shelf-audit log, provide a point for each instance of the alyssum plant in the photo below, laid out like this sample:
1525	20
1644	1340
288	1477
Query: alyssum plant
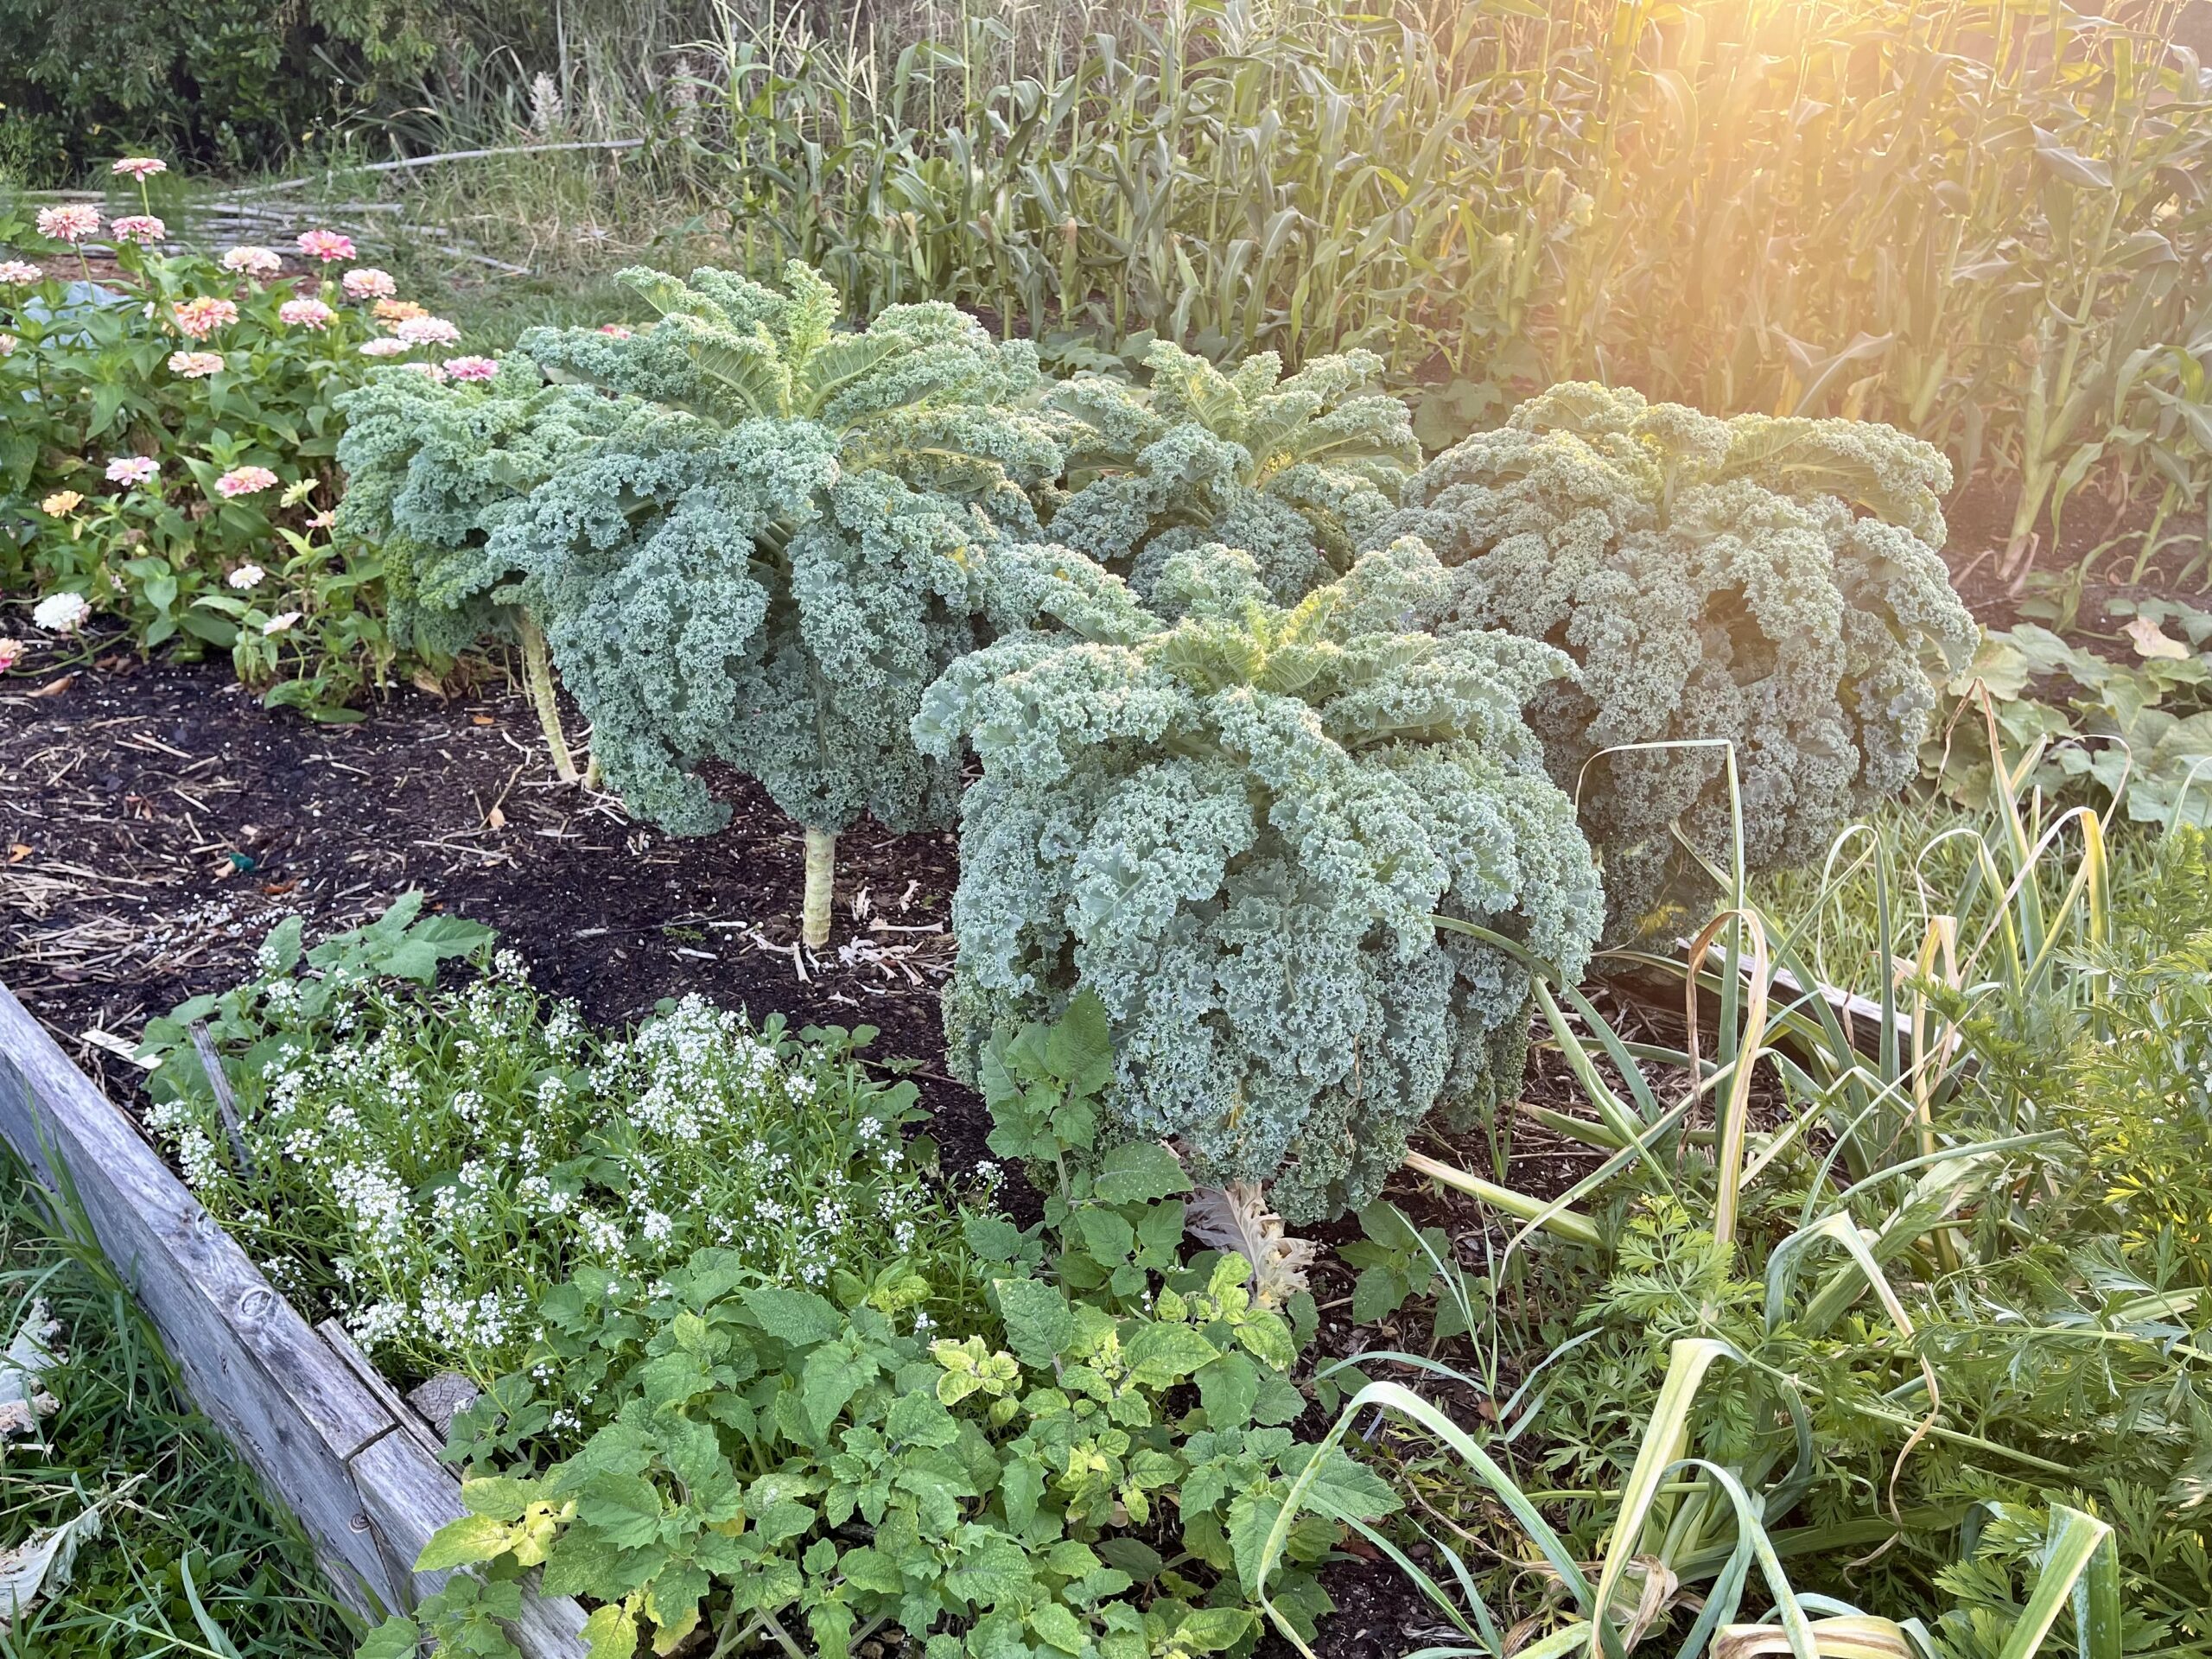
1235	829
1766	583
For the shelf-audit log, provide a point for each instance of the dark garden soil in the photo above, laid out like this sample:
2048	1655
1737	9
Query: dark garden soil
155	823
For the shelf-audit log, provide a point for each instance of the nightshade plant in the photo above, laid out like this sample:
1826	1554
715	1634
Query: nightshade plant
1234	829
1088	1469
1296	471
432	470
774	557
1772	583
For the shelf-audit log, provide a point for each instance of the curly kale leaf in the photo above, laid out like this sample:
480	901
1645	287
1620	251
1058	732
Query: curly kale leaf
1295	471
737	595
433	470
1771	584
924	391
1235	828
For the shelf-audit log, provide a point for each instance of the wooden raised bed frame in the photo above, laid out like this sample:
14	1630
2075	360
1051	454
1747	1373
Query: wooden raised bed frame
329	1440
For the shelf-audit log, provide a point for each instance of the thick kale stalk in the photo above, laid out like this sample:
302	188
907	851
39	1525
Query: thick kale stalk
1771	585
770	561
1235	829
1295	471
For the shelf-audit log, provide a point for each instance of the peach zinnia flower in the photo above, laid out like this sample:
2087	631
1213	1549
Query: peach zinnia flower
198	318
383	347
253	262
428	331
326	246
305	314
195	365
19	271
132	469
471	368
71	222
367	282
246	480
140	168
61	504
143	228
429	371
398	310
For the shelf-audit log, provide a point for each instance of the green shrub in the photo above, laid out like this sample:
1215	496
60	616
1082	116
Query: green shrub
427	1164
1234	829
1770	584
1085	1469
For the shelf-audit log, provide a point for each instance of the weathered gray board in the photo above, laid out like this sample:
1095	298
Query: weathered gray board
367	1488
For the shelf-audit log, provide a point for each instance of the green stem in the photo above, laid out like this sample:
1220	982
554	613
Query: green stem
538	677
820	888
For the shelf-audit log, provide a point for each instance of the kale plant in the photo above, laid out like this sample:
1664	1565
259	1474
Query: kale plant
774	559
1235	829
431	471
1295	471
1773	583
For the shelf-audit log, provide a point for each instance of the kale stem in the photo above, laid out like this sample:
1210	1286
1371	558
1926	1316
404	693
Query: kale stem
538	677
820	888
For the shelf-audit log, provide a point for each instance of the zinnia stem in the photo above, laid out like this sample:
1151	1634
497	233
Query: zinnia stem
538	677
820	888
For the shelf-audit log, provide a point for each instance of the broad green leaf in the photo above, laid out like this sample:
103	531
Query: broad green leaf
1038	1322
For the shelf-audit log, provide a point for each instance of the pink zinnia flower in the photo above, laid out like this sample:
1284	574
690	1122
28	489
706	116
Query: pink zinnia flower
132	469
71	222
252	262
305	314
615	330
7	344
11	652
471	368
246	480
140	168
367	282
195	365
383	347
19	271
143	228
198	318
428	331
326	246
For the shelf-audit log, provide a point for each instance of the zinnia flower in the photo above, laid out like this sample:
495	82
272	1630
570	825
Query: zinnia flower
19	271
7	344
323	521
140	168
276	624
431	370
397	310
615	330
194	365
428	331
252	262
326	246
198	318
305	314
383	347
60	613
367	282
246	480
11	652
71	222
143	228
245	576
132	469
471	368
61	504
